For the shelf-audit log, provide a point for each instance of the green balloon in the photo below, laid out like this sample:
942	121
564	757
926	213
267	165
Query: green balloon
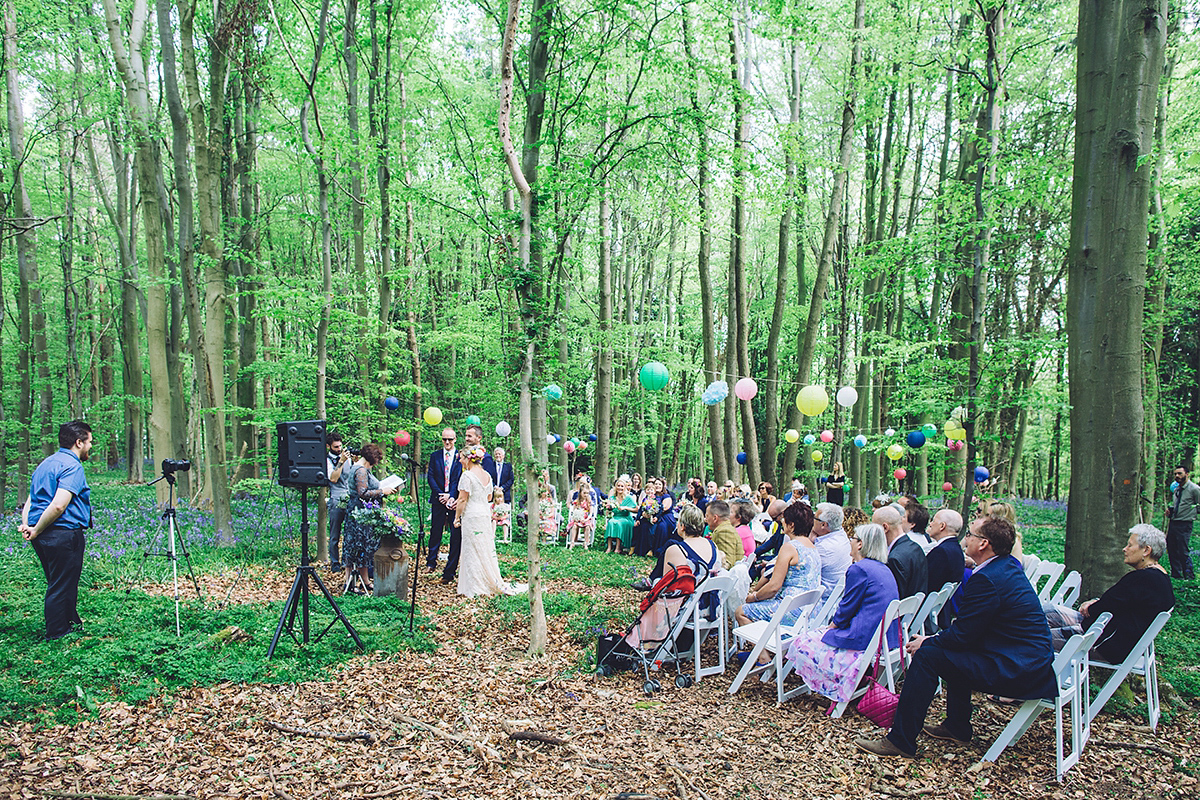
553	392
473	420
929	429
654	376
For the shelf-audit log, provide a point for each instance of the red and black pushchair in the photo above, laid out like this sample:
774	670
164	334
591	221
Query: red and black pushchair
659	634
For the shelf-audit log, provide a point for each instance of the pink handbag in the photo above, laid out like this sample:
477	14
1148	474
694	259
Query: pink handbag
879	703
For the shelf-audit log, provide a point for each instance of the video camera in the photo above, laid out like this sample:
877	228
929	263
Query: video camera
170	465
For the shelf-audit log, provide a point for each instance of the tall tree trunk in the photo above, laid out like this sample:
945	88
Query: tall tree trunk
245	434
1121	46
604	355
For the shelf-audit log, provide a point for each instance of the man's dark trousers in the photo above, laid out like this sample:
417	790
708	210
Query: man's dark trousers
61	553
1179	549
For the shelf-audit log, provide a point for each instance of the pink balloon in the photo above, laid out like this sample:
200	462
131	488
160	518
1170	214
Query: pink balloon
745	389
826	436
947	486
901	474
402	438
582	446
569	446
954	444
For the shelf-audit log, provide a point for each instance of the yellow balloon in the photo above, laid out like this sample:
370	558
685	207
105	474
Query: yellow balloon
895	452
817	455
432	415
792	435
960	434
812	400
950	426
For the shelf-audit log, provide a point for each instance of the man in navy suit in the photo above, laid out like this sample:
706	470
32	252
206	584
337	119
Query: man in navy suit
502	473
999	643
442	476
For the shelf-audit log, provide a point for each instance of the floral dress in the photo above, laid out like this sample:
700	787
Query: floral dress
805	574
548	517
361	542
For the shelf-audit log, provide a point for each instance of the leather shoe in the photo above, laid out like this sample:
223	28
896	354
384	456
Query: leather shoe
940	731
882	747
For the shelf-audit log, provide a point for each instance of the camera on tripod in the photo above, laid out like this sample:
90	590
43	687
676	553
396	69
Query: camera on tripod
170	465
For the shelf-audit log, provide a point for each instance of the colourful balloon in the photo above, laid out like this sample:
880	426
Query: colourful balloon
432	415
473	420
592	437
947	486
741	458
745	389
792	435
860	441
959	434
847	396
915	439
929	429
581	446
402	438
553	392
396	439
654	376
900	474
550	438
895	452
890	432
981	474
391	403
558	437
827	436
569	446
950	426
810	439
817	455
503	429
1174	485
715	392
954	444
812	400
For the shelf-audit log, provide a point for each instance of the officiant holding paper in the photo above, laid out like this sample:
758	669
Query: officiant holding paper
361	542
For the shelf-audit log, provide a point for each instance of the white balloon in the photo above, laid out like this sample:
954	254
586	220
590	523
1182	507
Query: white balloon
890	432
550	438
847	396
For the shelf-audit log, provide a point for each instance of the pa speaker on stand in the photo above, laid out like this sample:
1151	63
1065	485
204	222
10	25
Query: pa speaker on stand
301	449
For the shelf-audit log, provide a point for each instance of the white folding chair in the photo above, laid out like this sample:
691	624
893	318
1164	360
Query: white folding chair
1031	563
702	627
1047	574
906	613
824	614
1067	592
1140	661
772	635
926	619
1071	673
868	658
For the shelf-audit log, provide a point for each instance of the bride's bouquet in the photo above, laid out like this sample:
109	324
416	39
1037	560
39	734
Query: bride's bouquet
380	520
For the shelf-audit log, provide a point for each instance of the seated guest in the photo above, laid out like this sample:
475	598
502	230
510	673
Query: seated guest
916	524
664	528
764	497
688	556
944	562
852	517
1134	601
999	643
827	658
741	515
618	533
832	544
797	568
728	543
905	557
770	546
689	547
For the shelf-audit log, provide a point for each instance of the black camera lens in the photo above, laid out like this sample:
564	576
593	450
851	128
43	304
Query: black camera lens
354	451
174	465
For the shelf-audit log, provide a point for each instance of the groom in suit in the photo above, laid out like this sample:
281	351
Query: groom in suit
999	643
442	477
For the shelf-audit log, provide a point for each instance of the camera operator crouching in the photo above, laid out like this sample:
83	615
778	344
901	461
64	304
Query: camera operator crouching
340	468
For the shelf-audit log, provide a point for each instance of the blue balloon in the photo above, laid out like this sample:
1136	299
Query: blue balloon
741	458
810	439
592	437
1174	485
715	392
391	403
557	437
860	441
981	474
915	439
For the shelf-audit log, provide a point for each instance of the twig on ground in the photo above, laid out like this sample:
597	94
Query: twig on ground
683	773
679	786
896	791
1151	748
94	796
480	747
366	736
534	736
280	793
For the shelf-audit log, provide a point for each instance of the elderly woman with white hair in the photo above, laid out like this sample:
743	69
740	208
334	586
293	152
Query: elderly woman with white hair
1134	601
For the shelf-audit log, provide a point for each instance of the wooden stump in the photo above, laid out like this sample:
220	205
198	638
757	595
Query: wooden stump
391	568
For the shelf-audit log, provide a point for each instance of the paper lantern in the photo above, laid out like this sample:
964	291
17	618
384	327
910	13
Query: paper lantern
959	434
745	389
558	437
900	474
402	438
581	446
550	439
817	455
812	400
826	436
398	441
1174	485
915	439
569	446
741	458
860	441
895	452
929	429
947	486
810	439
432	415
981	474
890	432
473	420
592	437
654	376
503	429
955	444
553	392
792	435
950	426
391	403
715	392
847	396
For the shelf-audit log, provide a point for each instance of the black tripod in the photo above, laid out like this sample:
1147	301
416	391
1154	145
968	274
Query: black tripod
298	597
168	516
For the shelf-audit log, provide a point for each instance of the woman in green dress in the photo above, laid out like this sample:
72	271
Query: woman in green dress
619	532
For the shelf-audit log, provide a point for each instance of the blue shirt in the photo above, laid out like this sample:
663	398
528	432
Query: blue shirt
63	470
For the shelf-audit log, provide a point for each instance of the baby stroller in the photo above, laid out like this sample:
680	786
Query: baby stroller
659	634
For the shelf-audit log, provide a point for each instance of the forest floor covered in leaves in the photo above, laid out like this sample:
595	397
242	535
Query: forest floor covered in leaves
449	724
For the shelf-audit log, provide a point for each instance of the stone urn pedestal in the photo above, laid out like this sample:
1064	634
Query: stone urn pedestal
391	568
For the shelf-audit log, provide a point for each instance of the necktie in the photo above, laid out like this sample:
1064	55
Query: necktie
449	457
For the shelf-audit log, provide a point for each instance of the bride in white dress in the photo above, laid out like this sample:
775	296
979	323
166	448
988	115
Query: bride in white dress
478	568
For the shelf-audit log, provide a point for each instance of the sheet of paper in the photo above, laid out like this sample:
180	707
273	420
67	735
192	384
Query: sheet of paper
391	481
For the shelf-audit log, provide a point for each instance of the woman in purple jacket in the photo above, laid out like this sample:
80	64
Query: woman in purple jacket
827	658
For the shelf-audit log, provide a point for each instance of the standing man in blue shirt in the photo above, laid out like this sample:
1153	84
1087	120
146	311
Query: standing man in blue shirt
57	511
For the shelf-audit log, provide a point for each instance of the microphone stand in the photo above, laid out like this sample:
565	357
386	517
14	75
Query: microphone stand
413	465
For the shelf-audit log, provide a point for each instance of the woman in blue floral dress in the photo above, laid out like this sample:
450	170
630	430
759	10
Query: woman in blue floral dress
797	568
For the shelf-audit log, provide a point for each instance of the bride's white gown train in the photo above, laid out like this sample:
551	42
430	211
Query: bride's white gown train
478	567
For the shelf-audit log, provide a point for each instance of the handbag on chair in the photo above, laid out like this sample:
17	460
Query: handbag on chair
879	703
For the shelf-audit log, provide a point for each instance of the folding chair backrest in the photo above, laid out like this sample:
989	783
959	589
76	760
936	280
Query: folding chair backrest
906	614
868	657
1068	590
1032	565
1045	578
932	607
825	613
1140	661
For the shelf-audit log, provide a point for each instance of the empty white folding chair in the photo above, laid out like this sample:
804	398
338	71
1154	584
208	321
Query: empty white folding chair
1045	577
1140	661
868	658
926	619
773	636
1067	592
906	614
702	627
1071	674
